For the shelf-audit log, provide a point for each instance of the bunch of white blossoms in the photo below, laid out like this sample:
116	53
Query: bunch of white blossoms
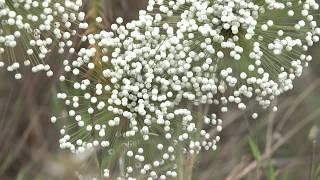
147	92
35	27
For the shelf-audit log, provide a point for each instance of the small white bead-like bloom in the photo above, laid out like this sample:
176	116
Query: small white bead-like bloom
30	29
148	87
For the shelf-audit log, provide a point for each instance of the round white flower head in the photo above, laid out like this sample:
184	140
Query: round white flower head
30	28
153	87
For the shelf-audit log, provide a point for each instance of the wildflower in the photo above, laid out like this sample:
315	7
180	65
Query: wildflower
148	87
33	27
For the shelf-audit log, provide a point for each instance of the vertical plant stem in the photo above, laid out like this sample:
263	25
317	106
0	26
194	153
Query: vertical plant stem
270	130
313	159
190	162
180	164
121	165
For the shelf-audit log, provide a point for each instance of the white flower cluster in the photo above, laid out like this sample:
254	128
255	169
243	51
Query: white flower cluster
35	27
148	87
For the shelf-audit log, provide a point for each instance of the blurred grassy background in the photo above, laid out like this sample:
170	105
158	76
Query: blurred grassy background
278	145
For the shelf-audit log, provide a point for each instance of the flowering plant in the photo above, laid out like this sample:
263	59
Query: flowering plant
146	95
